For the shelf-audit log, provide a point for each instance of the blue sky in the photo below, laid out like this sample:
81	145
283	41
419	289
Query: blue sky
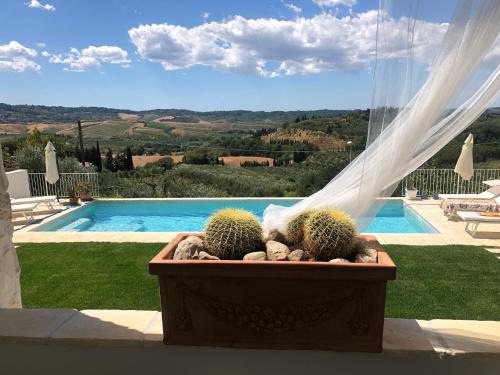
200	55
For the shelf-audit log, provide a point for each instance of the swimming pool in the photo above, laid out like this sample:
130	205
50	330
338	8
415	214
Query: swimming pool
190	215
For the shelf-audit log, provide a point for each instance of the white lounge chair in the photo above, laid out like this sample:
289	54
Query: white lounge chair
492	192
25	209
473	219
48	201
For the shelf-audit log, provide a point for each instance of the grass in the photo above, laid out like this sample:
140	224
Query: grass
89	276
433	282
444	282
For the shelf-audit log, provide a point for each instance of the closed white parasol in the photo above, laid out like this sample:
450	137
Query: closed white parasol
465	165
51	172
10	288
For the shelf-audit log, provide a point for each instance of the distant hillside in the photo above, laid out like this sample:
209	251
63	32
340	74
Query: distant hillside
24	114
323	141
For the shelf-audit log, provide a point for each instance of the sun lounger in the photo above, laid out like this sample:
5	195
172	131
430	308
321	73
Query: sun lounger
452	206
25	209
48	201
473	219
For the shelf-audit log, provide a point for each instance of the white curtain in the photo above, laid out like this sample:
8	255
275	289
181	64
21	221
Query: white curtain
428	87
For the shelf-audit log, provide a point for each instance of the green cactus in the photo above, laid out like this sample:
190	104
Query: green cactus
232	233
329	234
295	228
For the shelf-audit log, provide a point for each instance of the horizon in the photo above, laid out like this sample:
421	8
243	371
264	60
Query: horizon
492	107
188	109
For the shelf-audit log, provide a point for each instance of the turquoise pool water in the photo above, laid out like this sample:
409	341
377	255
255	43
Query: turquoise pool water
191	215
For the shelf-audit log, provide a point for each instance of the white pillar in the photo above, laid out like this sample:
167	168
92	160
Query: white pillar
10	286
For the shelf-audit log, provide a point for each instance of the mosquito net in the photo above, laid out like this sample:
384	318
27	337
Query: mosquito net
431	80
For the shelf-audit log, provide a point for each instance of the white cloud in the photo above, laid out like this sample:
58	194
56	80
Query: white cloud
90	58
334	3
41	45
14	49
269	47
206	15
294	8
18	64
39	5
14	57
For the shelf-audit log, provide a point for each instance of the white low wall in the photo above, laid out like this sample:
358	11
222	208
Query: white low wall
19	185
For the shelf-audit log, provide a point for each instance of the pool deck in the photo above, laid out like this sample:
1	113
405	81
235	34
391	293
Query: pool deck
450	232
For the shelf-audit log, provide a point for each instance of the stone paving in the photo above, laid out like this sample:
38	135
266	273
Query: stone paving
144	328
450	232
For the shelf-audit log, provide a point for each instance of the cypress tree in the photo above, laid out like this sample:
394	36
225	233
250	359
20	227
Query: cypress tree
109	162
130	160
98	158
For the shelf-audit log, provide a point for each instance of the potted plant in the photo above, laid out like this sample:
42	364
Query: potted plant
83	189
229	287
411	189
73	199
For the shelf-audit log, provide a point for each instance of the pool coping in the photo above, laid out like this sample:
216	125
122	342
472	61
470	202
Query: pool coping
447	233
30	234
51	218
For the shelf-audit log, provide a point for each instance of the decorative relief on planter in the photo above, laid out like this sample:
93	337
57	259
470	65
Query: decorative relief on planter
272	319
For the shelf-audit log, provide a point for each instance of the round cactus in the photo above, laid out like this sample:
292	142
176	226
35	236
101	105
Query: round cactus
329	234
232	233
295	228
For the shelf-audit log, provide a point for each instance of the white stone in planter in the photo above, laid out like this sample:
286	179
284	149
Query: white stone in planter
255	256
203	255
276	250
189	248
296	255
339	260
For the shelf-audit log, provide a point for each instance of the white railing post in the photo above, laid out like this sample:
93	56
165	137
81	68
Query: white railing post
446	181
39	187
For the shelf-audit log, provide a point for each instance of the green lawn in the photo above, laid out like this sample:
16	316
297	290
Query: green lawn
433	282
89	275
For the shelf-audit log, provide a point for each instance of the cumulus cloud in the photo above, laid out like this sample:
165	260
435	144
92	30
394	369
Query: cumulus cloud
14	57
206	15
334	3
14	49
90	58
39	5
18	65
269	47
294	8
41	45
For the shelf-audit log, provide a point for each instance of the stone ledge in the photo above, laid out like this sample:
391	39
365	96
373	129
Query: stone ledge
21	325
125	328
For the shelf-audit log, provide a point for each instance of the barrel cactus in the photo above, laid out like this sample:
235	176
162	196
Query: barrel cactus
295	228
232	233
329	234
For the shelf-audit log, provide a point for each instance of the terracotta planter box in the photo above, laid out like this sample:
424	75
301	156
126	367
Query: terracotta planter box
276	305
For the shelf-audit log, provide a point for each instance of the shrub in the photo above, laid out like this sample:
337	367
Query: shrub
31	158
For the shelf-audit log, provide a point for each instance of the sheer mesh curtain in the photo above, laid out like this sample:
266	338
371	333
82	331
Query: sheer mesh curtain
431	81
